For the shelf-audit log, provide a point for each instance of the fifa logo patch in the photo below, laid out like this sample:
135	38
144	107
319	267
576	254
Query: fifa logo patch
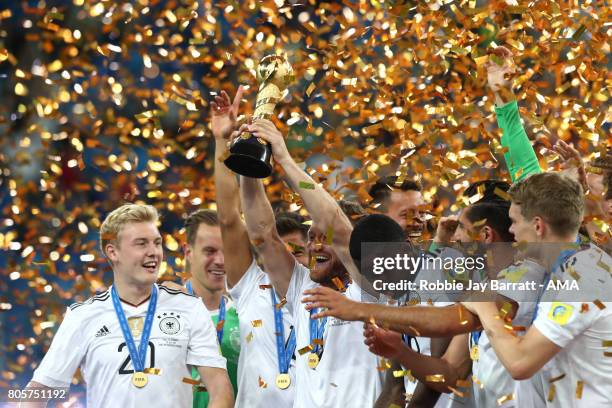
560	313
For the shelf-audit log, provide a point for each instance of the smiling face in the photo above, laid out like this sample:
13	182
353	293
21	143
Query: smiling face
326	264
137	253
404	207
205	258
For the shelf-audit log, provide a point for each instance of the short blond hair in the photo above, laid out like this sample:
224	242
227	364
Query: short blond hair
127	213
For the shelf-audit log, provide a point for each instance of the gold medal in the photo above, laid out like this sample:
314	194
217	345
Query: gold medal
313	360
474	354
136	324
283	381
139	379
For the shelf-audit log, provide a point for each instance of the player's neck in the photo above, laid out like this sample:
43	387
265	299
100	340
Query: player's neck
132	293
211	298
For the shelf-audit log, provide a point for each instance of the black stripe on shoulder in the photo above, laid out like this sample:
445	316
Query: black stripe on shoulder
99	297
175	291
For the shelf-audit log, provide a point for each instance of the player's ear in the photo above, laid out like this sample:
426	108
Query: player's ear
111	251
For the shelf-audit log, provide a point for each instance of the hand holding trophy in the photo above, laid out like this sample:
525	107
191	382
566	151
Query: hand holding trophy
250	156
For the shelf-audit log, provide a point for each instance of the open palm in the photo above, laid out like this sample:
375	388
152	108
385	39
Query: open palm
498	75
224	114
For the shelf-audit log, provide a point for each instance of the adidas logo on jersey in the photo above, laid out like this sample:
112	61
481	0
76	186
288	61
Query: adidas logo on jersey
103	332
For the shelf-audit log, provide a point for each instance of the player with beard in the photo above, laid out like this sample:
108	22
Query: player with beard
136	341
334	367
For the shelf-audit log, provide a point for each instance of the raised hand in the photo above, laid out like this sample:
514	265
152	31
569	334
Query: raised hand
384	343
500	68
571	162
335	304
265	129
446	229
224	113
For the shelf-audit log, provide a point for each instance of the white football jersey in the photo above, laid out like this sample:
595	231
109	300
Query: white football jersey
580	374
258	361
347	374
90	337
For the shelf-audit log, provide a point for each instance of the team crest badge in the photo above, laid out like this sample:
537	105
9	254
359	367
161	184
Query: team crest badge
169	323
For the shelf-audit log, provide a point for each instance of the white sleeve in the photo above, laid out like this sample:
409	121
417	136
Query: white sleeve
561	322
203	349
246	286
297	285
65	354
524	272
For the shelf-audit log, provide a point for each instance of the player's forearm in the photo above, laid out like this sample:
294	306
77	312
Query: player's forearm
435	372
222	398
34	404
321	206
423	321
423	397
233	231
258	212
520	157
226	186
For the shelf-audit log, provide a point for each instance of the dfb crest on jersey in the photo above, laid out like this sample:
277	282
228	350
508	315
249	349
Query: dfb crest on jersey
169	323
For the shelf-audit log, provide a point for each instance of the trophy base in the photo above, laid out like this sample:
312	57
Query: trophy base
250	158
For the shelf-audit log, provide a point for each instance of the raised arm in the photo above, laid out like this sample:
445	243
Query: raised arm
519	156
277	259
233	231
321	206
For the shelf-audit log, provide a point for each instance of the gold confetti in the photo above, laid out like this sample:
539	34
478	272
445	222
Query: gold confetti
584	308
551	393
265	286
257	323
189	380
434	378
339	284
579	386
502	194
310	88
262	383
507	397
305	350
153	371
249	337
282	303
599	304
401	373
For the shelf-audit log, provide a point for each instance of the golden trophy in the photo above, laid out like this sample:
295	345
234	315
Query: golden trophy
250	156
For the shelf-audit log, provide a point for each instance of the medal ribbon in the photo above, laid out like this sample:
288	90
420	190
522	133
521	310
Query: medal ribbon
138	356
221	317
316	330
283	351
